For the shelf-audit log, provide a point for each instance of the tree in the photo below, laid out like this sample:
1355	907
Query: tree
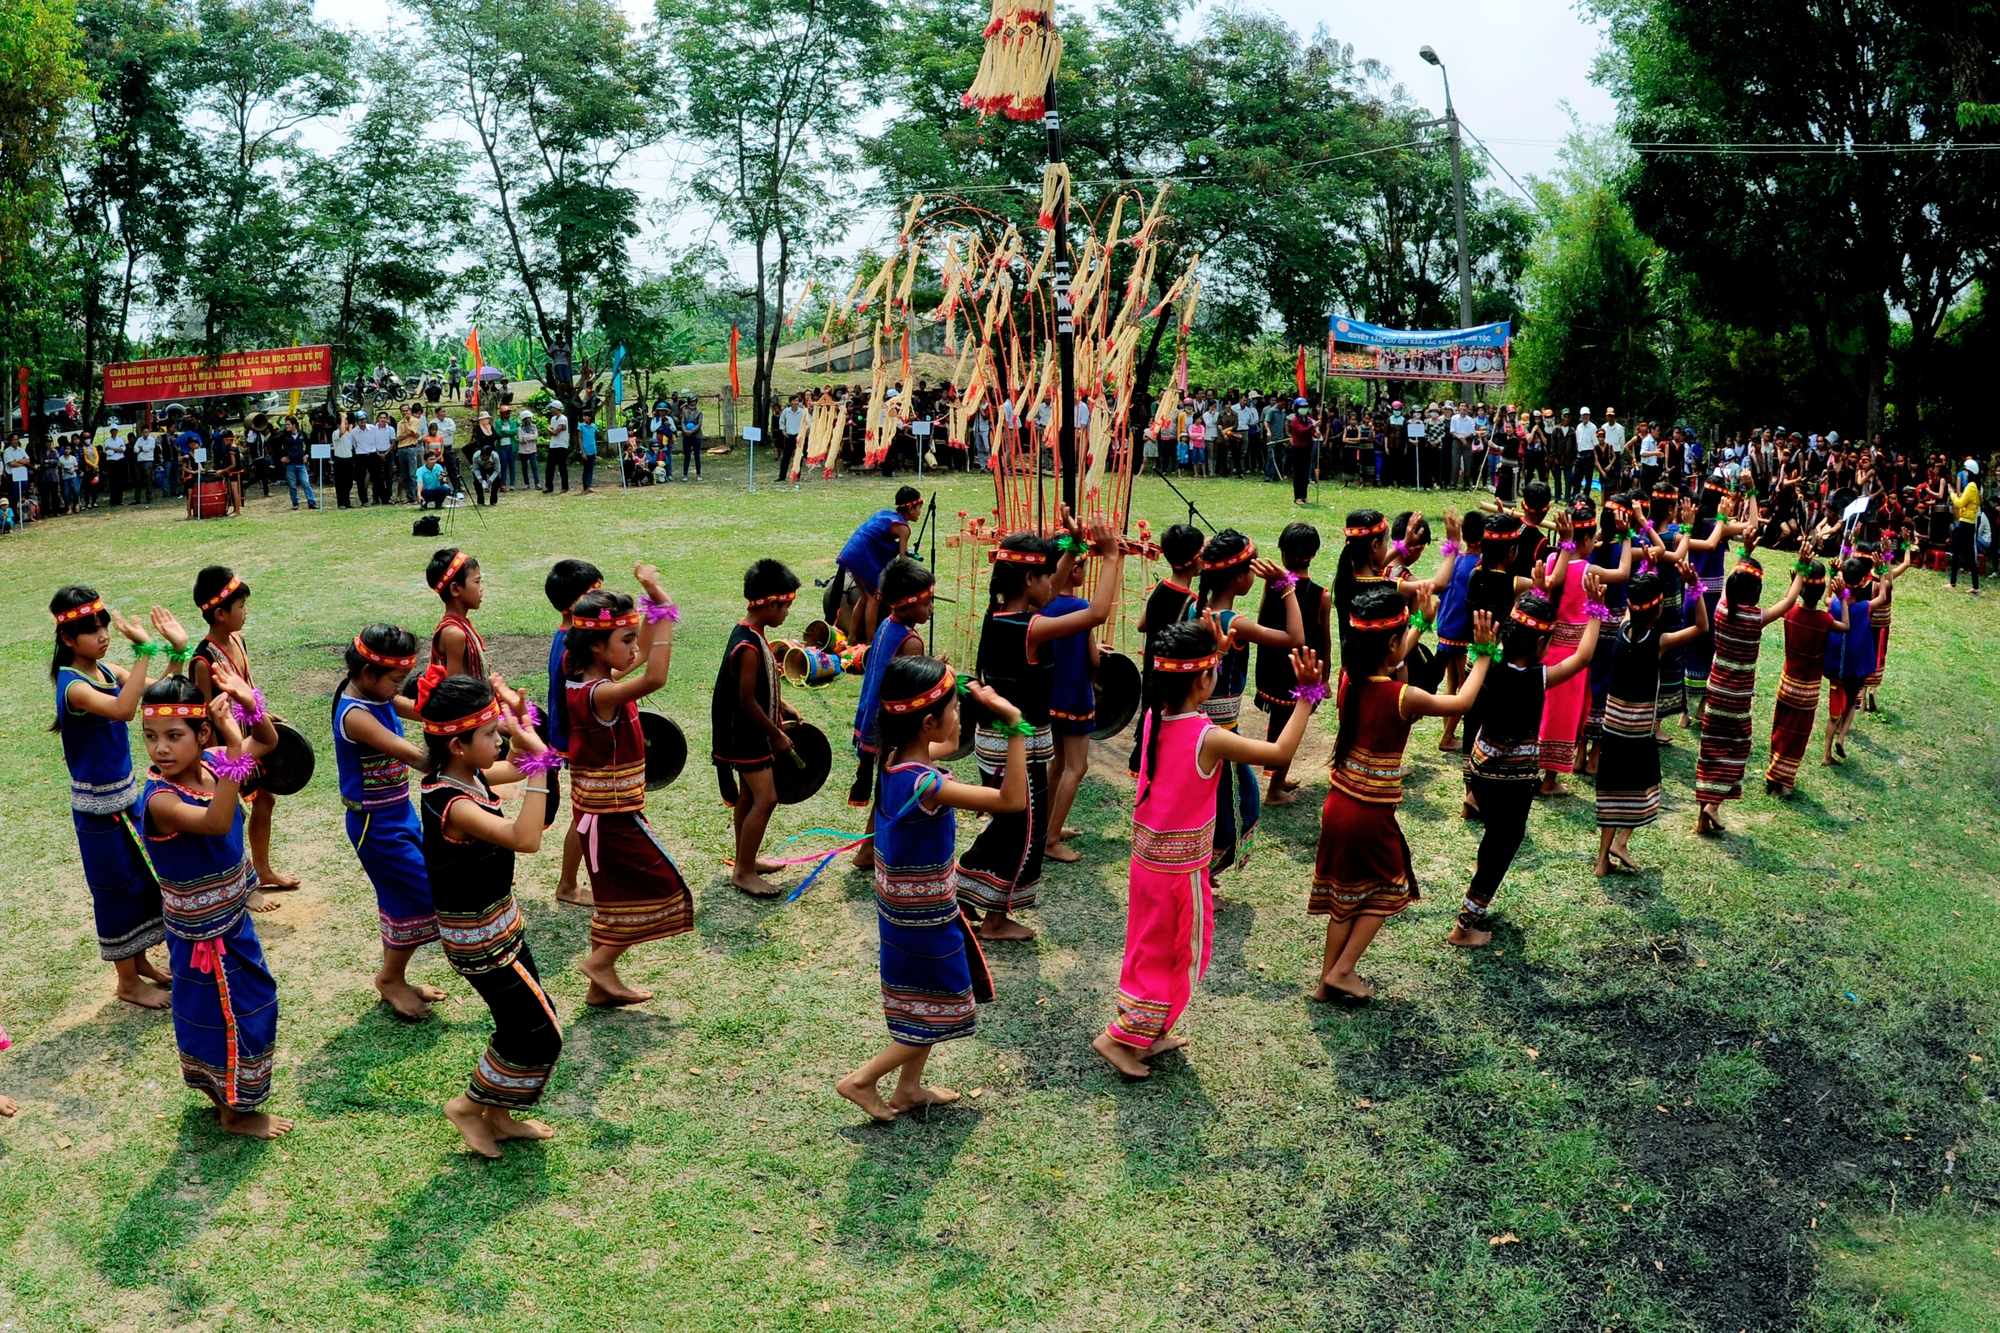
1846	209
771	91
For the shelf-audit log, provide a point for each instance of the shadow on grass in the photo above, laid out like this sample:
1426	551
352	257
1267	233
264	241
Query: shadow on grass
430	1230
890	1185
172	1208
338	1077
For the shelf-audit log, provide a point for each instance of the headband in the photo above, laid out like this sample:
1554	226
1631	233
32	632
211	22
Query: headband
945	685
173	710
1813	580
94	607
913	599
1186	663
392	663
1378	526
1008	555
1745	567
459	726
1645	605
1539	626
444	579
1249	551
775	599
607	619
1397	621
228	589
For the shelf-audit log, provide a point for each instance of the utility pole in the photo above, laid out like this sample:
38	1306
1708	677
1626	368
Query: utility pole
1065	317
1457	199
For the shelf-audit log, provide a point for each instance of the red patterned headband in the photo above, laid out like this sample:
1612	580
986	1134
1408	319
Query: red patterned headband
945	685
1539	626
1249	552
913	599
450	571
470	722
195	711
1646	605
1397	621
94	607
775	599
1745	567
608	619
1380	525
586	592
391	663
1007	555
1188	664
228	590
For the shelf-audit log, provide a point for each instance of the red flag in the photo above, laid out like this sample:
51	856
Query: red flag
735	384
1299	372
472	344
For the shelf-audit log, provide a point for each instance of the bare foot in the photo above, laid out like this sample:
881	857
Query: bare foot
254	1124
504	1126
1172	1041
867	1098
1448	744
1356	991
766	866
144	994
1063	852
257	902
8	1107
754	885
864	859
1120	1056
607	990
575	895
1551	789
1468	939
1829	761
1292	784
408	1001
1000	926
145	968
1069	833
932	1096
1602	868
1707	824
1282	796
272	880
470	1119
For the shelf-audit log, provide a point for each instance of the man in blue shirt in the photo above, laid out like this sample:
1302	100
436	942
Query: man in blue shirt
586	442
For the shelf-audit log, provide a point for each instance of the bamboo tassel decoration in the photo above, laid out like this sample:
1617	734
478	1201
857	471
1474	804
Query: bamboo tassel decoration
1023	52
1055	194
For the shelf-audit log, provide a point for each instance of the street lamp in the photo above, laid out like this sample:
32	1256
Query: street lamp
1457	194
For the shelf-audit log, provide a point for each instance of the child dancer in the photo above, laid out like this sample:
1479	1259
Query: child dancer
468	848
224	602
567	581
1564	705
882	536
932	969
1072	714
1628	770
1362	873
94	703
747	713
1850	656
456	648
636	889
1454	612
1170	916
1229	566
225	1003
374	761
1503	747
1168	602
1000	872
1725	732
1708	547
1807	629
1879	613
1298	544
909	592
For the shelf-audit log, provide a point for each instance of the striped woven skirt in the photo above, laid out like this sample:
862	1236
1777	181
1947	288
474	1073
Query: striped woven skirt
124	896
932	968
1673	665
1563	706
1792	727
1002	870
1880	624
638	889
1600	678
1628	766
225	1007
514	1069
1363	866
1725	736
1237	796
1698	656
390	845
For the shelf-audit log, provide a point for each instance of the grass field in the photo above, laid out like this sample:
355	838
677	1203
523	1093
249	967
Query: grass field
1746	1091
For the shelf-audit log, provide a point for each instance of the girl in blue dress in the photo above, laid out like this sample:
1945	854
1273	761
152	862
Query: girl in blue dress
909	592
94	703
374	760
933	972
225	1003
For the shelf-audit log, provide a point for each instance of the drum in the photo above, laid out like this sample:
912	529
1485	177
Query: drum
210	500
666	748
286	770
819	634
1118	694
800	774
811	667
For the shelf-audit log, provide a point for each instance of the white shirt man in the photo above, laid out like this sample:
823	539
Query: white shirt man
343	442
558	431
791	420
1462	425
114	446
1649	446
1614	430
448	428
145	448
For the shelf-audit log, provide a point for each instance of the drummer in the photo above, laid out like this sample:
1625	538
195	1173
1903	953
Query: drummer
883	536
747	713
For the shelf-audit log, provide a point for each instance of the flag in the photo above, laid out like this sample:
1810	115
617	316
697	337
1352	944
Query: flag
1299	372
735	384
618	378
472	345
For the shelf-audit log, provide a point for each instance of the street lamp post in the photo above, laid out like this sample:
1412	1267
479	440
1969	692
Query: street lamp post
1457	199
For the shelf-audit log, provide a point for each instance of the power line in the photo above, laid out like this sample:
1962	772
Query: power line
1773	147
1150	180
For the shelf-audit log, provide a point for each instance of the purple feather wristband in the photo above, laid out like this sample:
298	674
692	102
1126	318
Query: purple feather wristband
257	714
658	611
1314	694
542	761
236	770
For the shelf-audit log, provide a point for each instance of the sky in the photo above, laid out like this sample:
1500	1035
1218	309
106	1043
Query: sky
1518	72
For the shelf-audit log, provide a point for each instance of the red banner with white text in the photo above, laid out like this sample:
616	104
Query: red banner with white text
265	371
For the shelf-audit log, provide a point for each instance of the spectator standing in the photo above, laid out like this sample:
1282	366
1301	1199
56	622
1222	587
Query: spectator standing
527	445
409	452
290	445
1561	454
1615	435
1464	429
558	459
486	469
117	448
509	432
1303	432
343	465
691	440
145	449
586	445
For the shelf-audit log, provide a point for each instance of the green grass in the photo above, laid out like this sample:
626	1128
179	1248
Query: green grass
1651	1105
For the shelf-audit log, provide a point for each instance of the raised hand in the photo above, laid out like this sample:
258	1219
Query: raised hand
169	628
131	629
649	578
1267	570
1452	526
1483	628
1103	540
1306	666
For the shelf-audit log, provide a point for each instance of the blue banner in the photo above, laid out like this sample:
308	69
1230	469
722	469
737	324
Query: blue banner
1346	330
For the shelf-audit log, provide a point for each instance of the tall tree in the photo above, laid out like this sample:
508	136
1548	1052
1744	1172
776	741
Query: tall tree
1844	206
772	90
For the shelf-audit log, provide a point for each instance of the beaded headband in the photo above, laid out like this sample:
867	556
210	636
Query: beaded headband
228	590
1647	605
1379	525
608	619
381	660
174	710
1539	626
775	599
1189	664
459	726
94	607
1397	621
913	599
1814	580
1745	567
930	696
1248	552
1007	555
450	570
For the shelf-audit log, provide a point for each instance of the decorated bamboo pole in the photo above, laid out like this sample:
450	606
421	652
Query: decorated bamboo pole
1058	174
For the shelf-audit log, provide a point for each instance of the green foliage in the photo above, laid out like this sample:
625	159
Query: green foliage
45	76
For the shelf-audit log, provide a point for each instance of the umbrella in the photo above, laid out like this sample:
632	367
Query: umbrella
491	373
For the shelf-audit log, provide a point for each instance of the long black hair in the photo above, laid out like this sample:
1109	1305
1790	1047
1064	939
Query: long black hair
452	698
1010	577
1525	643
1182	641
1352	555
1361	652
68	598
1745	585
581	641
1224	546
1813	585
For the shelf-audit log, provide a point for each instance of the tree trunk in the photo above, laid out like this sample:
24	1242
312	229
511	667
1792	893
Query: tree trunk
1875	327
759	389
